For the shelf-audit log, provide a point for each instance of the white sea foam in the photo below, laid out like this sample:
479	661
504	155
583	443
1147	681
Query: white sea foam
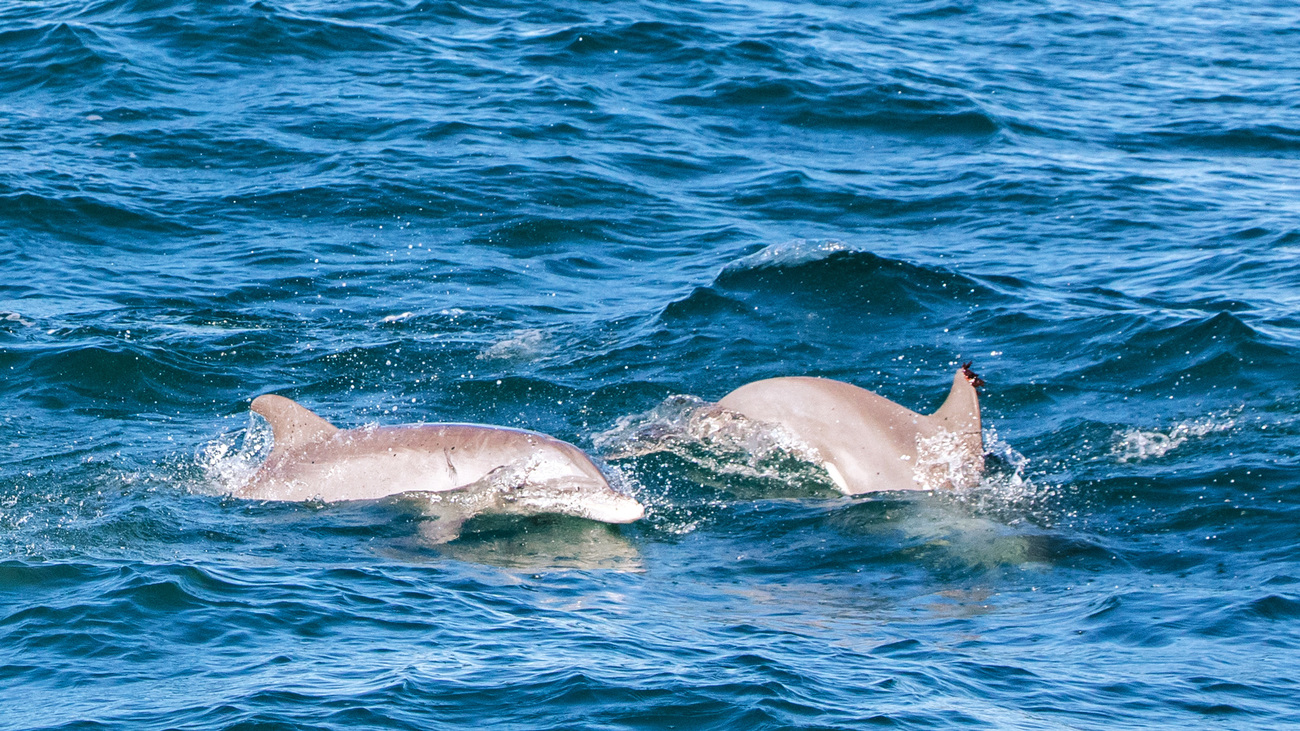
1136	445
520	345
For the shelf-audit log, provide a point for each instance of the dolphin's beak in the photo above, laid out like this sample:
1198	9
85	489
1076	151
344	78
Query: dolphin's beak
582	499
625	510
614	507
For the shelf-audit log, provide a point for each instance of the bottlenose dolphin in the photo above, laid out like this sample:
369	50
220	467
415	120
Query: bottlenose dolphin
868	443
461	469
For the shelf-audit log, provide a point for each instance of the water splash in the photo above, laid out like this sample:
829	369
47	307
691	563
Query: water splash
1136	445
1005	492
720	442
526	488
944	460
228	462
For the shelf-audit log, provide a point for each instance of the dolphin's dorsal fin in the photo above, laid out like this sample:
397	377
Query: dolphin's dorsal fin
293	426
960	412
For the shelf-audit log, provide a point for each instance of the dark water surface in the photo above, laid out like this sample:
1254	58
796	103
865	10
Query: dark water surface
556	216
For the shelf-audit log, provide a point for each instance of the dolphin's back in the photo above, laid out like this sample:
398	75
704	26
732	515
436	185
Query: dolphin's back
867	442
312	458
460	470
369	463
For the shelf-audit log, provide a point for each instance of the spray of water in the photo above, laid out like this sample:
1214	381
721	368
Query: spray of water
718	442
230	461
1136	445
1006	492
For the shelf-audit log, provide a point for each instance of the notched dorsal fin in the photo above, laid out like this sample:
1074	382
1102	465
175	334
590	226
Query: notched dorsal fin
293	426
961	410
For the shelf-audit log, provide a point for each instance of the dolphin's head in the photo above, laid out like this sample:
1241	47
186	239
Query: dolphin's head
582	498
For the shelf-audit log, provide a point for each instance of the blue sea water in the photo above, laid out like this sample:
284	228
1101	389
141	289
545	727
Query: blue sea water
568	217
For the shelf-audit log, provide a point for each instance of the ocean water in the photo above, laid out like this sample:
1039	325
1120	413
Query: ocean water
583	218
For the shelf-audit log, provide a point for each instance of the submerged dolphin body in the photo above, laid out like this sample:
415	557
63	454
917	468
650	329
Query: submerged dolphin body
463	469
868	443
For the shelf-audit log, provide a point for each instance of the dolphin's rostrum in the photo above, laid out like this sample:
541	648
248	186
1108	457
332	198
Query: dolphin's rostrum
463	469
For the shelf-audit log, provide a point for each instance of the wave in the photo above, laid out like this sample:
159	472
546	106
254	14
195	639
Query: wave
797	196
158	148
890	107
789	254
668	42
1198	354
113	376
239	32
58	57
803	276
1211	137
87	218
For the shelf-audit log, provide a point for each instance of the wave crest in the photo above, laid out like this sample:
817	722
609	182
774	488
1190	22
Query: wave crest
789	253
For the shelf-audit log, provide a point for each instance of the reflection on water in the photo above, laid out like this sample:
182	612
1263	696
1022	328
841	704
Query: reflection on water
535	543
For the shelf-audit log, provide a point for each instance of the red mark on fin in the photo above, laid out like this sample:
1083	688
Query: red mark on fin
975	380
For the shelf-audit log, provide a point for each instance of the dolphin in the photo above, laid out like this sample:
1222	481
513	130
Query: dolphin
460	469
868	443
